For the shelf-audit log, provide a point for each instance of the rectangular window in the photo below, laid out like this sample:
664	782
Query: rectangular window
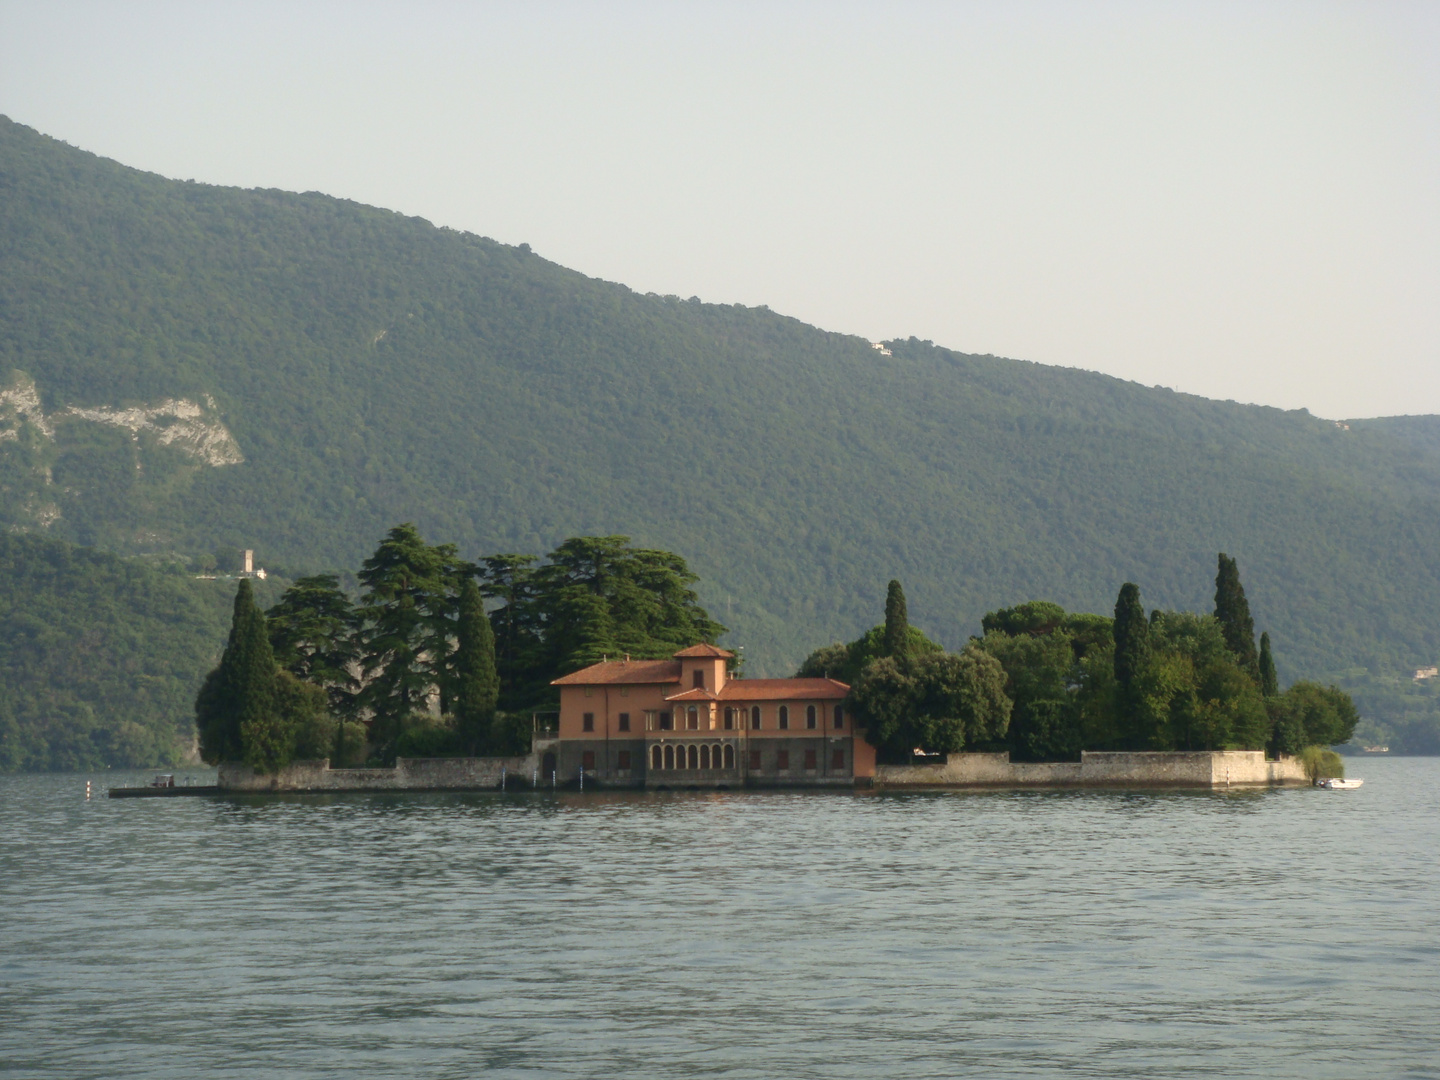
837	759
839	717
589	691
699	679
624	721
587	760
587	722
622	761
782	760
755	760
667	721
809	759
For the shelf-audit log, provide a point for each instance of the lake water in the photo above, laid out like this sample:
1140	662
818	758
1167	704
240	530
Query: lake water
1038	934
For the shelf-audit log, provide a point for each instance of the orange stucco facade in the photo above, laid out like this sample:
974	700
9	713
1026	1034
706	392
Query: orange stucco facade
684	722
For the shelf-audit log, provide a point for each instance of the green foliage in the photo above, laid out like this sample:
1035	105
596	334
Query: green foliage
1269	679
406	630
510	734
1131	657
1035	617
236	706
1315	714
304	708
596	596
477	683
940	702
1233	611
99	657
1321	763
1041	677
897	621
844	663
312	632
423	735
1396	710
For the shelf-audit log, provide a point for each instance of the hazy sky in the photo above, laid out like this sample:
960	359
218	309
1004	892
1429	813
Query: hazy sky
1241	200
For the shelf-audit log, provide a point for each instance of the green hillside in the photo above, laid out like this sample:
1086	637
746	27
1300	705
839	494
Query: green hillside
100	657
371	368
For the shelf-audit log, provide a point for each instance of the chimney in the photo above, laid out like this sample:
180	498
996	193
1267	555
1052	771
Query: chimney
249	561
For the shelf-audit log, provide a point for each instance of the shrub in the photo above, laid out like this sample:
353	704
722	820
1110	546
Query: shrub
1321	762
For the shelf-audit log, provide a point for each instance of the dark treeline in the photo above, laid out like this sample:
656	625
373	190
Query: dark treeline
1046	684
416	666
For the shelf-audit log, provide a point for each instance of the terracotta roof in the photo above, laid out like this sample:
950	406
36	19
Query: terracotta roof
709	651
783	690
622	672
699	693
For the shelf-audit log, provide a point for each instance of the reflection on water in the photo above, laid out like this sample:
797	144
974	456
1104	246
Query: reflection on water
744	934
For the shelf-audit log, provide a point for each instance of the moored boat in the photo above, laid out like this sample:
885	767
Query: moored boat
1337	783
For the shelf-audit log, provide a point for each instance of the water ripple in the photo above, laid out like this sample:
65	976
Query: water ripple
747	934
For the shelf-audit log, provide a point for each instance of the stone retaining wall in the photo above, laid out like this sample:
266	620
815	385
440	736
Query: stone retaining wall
409	774
1185	768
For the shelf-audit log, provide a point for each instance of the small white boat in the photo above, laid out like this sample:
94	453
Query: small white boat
1336	784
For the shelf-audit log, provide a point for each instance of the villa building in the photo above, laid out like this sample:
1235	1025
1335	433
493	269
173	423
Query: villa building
684	722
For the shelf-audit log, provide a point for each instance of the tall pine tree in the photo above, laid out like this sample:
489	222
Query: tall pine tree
476	683
407	611
1233	611
1269	682
897	622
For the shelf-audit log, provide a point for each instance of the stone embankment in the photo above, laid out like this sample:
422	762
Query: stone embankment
1096	768
409	774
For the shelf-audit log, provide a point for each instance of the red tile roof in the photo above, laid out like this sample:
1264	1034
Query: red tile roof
623	672
703	650
783	690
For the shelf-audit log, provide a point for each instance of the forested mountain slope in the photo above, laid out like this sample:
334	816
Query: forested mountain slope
187	367
100	656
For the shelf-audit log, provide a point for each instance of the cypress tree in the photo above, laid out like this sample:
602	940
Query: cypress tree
1132	635
266	737
216	713
897	622
236	710
477	684
1233	611
1269	683
1132	648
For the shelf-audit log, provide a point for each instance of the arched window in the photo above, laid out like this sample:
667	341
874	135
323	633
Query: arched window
809	716
704	757
715	757
784	717
655	757
692	719
729	718
755	718
839	717
669	757
694	756
729	756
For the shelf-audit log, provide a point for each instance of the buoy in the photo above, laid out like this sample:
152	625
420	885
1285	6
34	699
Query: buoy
87	789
